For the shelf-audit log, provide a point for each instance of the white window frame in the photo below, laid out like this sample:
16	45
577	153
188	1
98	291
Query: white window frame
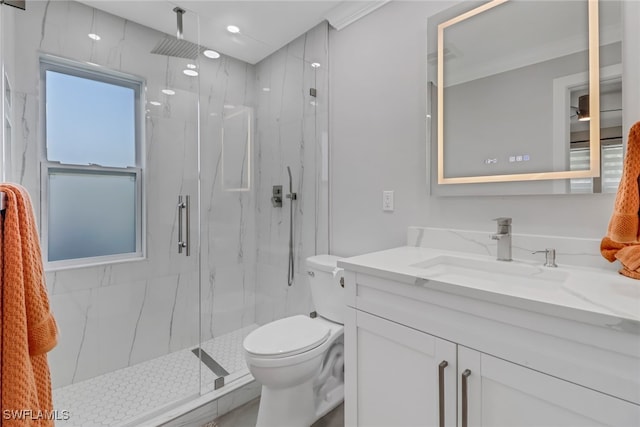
49	63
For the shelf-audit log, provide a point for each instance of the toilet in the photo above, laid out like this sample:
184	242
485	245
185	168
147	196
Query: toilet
299	360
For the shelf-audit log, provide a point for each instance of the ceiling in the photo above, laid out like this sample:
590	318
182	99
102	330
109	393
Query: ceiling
265	25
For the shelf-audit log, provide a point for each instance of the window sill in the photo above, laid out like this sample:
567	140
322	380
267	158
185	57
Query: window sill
79	263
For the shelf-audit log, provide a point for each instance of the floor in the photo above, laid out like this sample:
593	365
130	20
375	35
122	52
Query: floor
144	390
246	416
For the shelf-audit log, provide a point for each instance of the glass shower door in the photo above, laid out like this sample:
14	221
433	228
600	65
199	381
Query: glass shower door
257	120
129	314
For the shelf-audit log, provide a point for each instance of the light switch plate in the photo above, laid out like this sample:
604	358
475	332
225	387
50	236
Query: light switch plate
387	201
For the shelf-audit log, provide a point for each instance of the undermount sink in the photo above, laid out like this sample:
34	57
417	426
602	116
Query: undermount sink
474	271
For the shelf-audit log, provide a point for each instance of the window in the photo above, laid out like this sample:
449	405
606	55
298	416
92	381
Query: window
611	158
91	169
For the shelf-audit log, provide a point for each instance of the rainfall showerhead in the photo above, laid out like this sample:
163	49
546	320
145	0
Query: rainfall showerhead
178	47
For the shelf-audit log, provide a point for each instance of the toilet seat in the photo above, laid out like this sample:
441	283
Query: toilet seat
286	337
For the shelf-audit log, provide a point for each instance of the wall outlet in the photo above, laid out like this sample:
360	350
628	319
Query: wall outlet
387	201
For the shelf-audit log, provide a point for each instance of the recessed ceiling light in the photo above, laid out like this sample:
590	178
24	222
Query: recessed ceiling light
211	54
94	36
190	73
233	29
229	106
156	103
315	65
192	66
266	89
168	92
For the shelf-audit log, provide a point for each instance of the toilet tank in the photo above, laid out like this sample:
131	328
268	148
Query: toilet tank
327	292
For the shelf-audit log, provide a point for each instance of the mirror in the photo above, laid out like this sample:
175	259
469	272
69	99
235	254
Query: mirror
514	78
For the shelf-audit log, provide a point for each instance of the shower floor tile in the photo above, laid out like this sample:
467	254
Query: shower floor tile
144	390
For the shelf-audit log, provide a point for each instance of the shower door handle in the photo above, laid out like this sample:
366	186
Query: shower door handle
184	204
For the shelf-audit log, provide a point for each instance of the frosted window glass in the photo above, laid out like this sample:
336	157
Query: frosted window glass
89	121
91	214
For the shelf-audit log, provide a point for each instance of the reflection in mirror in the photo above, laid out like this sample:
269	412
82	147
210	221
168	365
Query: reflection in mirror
611	142
507	108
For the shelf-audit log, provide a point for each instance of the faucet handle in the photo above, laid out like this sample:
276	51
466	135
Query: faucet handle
550	257
503	220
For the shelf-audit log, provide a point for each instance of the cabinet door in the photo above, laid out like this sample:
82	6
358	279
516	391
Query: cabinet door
500	393
398	376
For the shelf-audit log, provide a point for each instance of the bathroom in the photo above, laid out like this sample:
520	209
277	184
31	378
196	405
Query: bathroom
363	133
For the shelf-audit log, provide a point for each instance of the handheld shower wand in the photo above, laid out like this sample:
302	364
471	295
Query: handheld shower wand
293	197
291	194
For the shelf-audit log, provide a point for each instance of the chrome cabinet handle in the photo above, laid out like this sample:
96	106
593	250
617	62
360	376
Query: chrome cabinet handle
465	399
441	368
184	244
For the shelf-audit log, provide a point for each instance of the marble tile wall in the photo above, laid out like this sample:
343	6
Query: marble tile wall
292	128
112	316
245	239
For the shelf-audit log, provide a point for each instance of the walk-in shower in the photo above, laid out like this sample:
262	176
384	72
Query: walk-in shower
148	333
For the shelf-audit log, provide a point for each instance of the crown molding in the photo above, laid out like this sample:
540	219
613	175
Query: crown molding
349	12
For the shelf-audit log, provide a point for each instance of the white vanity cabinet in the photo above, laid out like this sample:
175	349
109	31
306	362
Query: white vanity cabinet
521	367
401	377
501	393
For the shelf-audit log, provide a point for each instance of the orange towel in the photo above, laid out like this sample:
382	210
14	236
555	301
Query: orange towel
622	241
27	327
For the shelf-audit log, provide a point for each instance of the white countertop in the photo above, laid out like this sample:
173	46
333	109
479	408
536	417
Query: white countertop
580	293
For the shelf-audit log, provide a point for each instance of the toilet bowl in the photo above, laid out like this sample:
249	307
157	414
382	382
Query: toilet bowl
299	360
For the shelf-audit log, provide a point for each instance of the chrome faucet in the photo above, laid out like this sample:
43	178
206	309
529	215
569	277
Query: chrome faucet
503	236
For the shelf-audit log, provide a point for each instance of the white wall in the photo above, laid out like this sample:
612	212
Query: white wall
378	97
